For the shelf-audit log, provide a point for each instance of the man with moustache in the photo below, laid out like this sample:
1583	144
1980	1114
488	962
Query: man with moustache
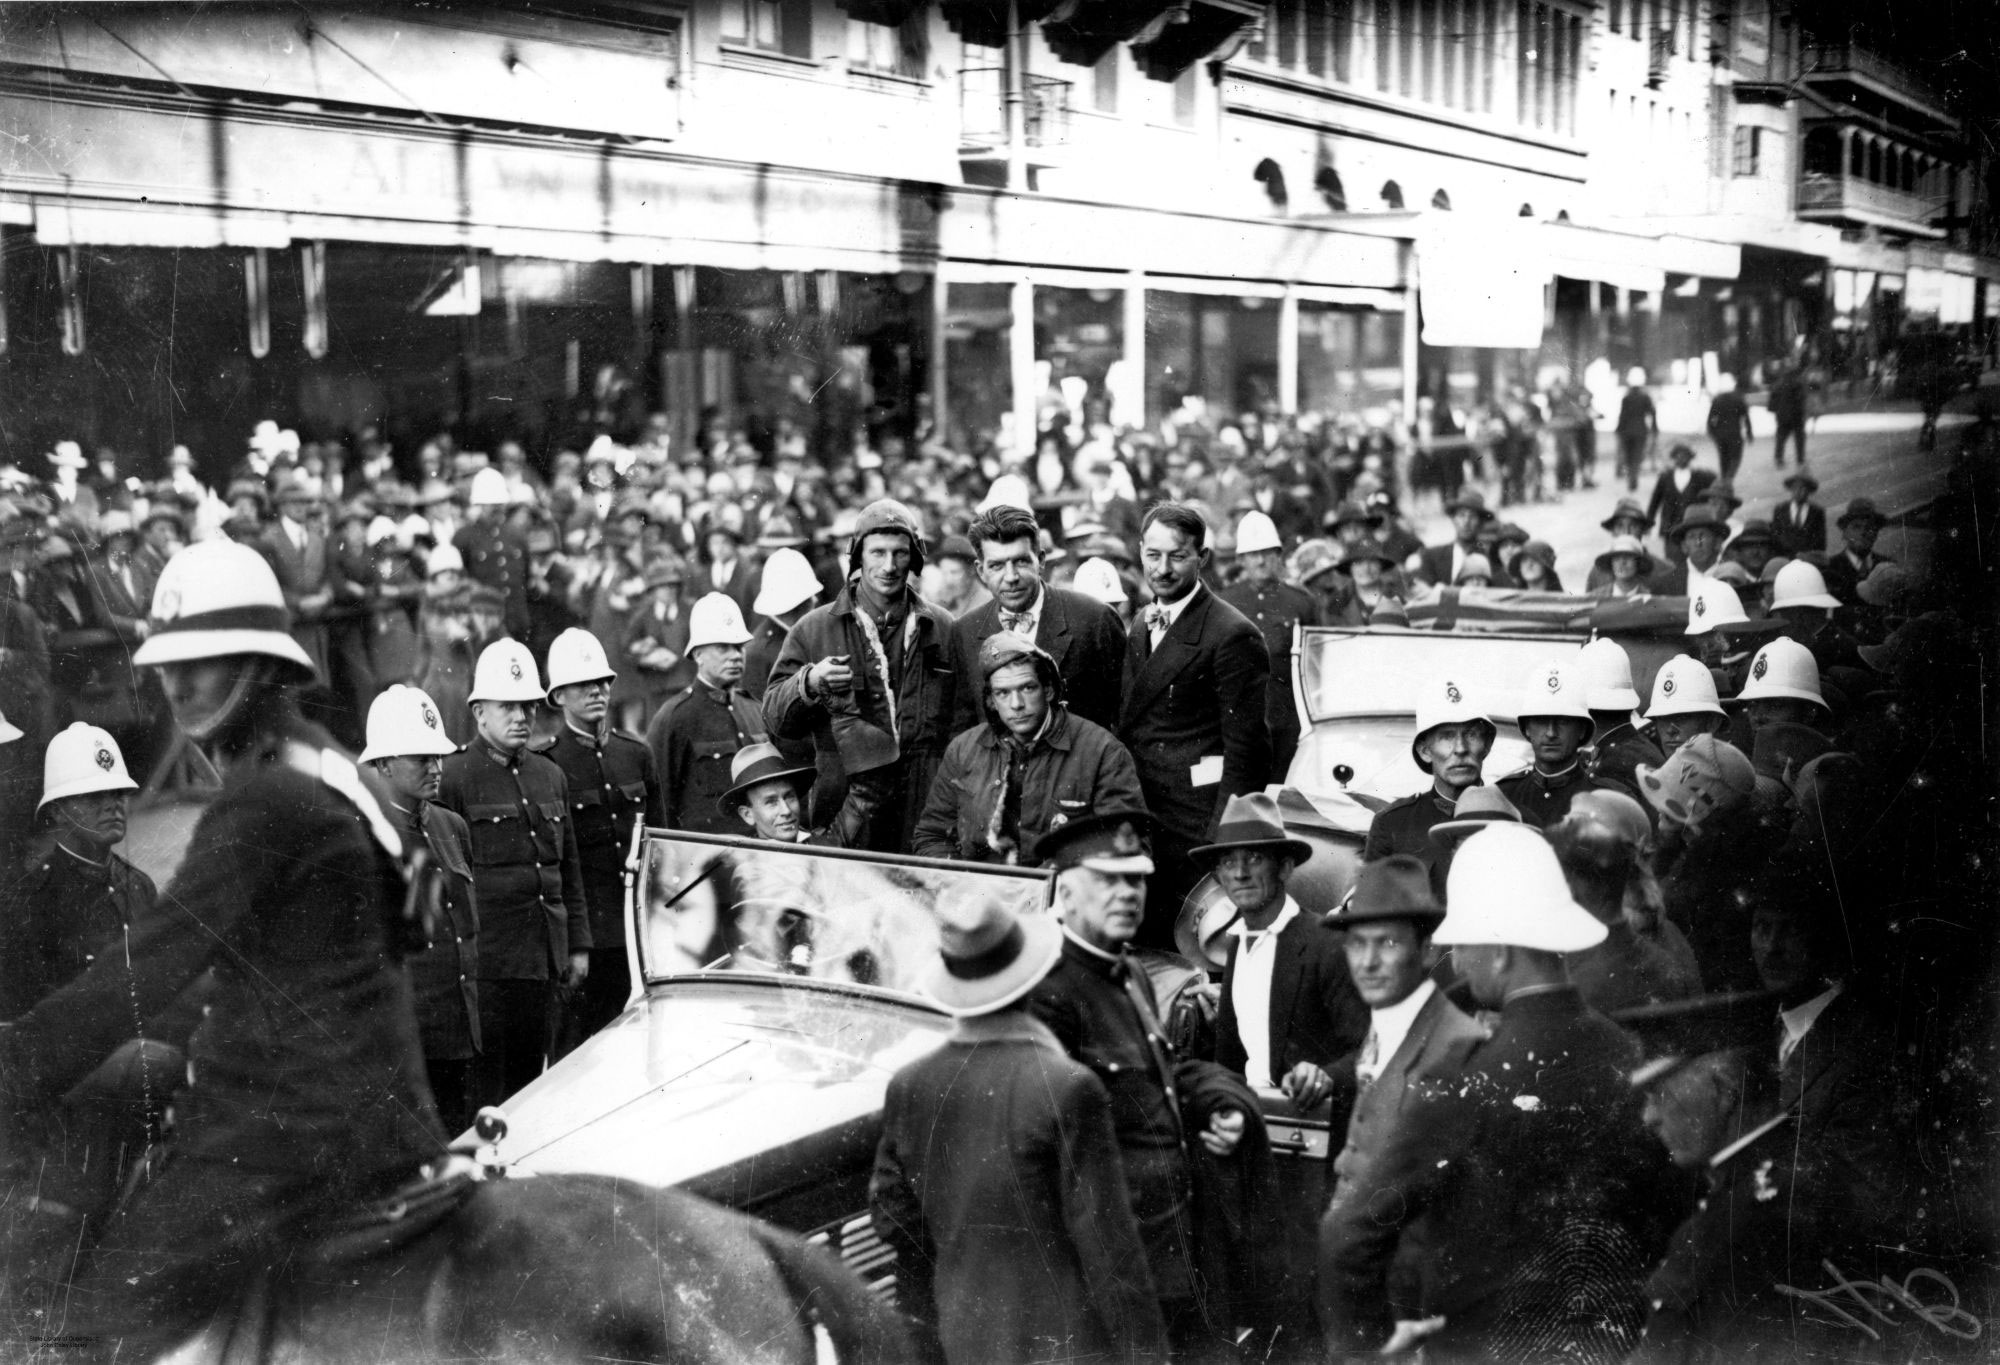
1452	740
527	872
1195	692
407	746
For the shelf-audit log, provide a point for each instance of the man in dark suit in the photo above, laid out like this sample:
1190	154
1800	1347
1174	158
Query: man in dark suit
1193	716
1415	1033
1859	525
1439	564
997	1179
1288	1012
726	569
1678	489
1799	524
1542	1200
1083	635
298	551
1695	544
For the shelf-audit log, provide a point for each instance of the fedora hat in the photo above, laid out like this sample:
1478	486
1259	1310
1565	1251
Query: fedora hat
1722	490
1674	1033
1802	477
988	956
1471	500
1395	887
1862	509
1698	517
1756	531
1628	507
1251	821
1369	548
1476	808
1350	514
756	764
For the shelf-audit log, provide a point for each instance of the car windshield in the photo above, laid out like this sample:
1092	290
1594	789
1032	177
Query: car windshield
1376	672
707	903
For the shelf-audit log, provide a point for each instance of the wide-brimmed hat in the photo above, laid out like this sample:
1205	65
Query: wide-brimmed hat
1628	507
756	764
1350	514
1704	777
1367	548
1802	476
1475	809
1471	500
1541	552
1722	490
779	533
68	455
1627	545
1507	888
1698	517
1106	841
1397	887
1862	509
1251	821
1887	584
1674	1033
1756	531
989	956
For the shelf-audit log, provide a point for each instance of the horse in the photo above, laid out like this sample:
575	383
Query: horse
554	1270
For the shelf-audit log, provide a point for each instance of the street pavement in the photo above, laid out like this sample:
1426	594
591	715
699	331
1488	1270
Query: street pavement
1864	452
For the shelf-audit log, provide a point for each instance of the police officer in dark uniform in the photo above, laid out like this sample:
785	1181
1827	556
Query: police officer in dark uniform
613	786
526	869
1554	716
696	733
493	554
1452	740
74	902
1100	1005
407	746
1276	606
1618	746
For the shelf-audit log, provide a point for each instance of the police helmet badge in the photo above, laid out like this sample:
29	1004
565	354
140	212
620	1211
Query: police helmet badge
1666	687
167	605
1701	606
1760	668
514	669
1452	694
430	718
104	759
1125	840
1554	681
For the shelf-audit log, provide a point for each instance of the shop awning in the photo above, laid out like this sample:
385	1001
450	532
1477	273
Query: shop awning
984	22
1207	26
1616	258
1092	28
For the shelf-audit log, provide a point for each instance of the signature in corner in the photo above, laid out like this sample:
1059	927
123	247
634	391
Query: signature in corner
1878	1299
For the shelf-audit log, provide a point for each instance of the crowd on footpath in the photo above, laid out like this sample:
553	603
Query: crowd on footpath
1620	1053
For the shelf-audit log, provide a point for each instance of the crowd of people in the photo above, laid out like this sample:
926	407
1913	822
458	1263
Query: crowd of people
1701	1031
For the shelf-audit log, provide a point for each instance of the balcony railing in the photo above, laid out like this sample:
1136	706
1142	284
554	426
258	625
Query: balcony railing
1846	198
1850	60
982	109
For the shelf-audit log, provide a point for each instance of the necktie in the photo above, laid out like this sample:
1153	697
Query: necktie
1369	1064
1019	622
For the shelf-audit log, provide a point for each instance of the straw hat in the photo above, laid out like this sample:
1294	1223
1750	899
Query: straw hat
989	957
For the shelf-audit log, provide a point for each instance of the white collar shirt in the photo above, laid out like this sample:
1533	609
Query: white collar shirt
1388	1027
1798	1020
1171	612
1250	987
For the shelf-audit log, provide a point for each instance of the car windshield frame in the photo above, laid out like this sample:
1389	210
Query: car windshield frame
1309	664
851	920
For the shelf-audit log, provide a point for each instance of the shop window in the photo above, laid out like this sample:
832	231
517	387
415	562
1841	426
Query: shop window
1749	150
1104	81
1392	195
781	26
1271	176
1441	200
1184	96
1327	181
889	49
1527	211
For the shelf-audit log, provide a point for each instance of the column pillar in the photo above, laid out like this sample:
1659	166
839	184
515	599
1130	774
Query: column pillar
1021	353
1134	327
1288	350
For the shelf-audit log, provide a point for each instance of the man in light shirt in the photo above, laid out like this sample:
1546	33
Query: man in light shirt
1289	1014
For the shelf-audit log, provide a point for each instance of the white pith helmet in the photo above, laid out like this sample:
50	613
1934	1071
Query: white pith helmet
80	760
1684	687
1714	603
577	656
788	582
1607	676
1784	668
715	619
505	672
1801	584
1443	701
403	722
216	598
489	489
1097	578
1554	689
1257	532
1506	887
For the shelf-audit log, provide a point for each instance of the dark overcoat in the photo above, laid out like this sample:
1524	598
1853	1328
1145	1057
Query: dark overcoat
1084	637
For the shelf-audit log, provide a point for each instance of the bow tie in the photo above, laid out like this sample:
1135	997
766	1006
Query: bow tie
1156	617
1020	622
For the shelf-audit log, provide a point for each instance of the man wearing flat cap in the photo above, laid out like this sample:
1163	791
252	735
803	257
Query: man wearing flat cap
1541	1200
1032	767
997	1178
1099	1003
